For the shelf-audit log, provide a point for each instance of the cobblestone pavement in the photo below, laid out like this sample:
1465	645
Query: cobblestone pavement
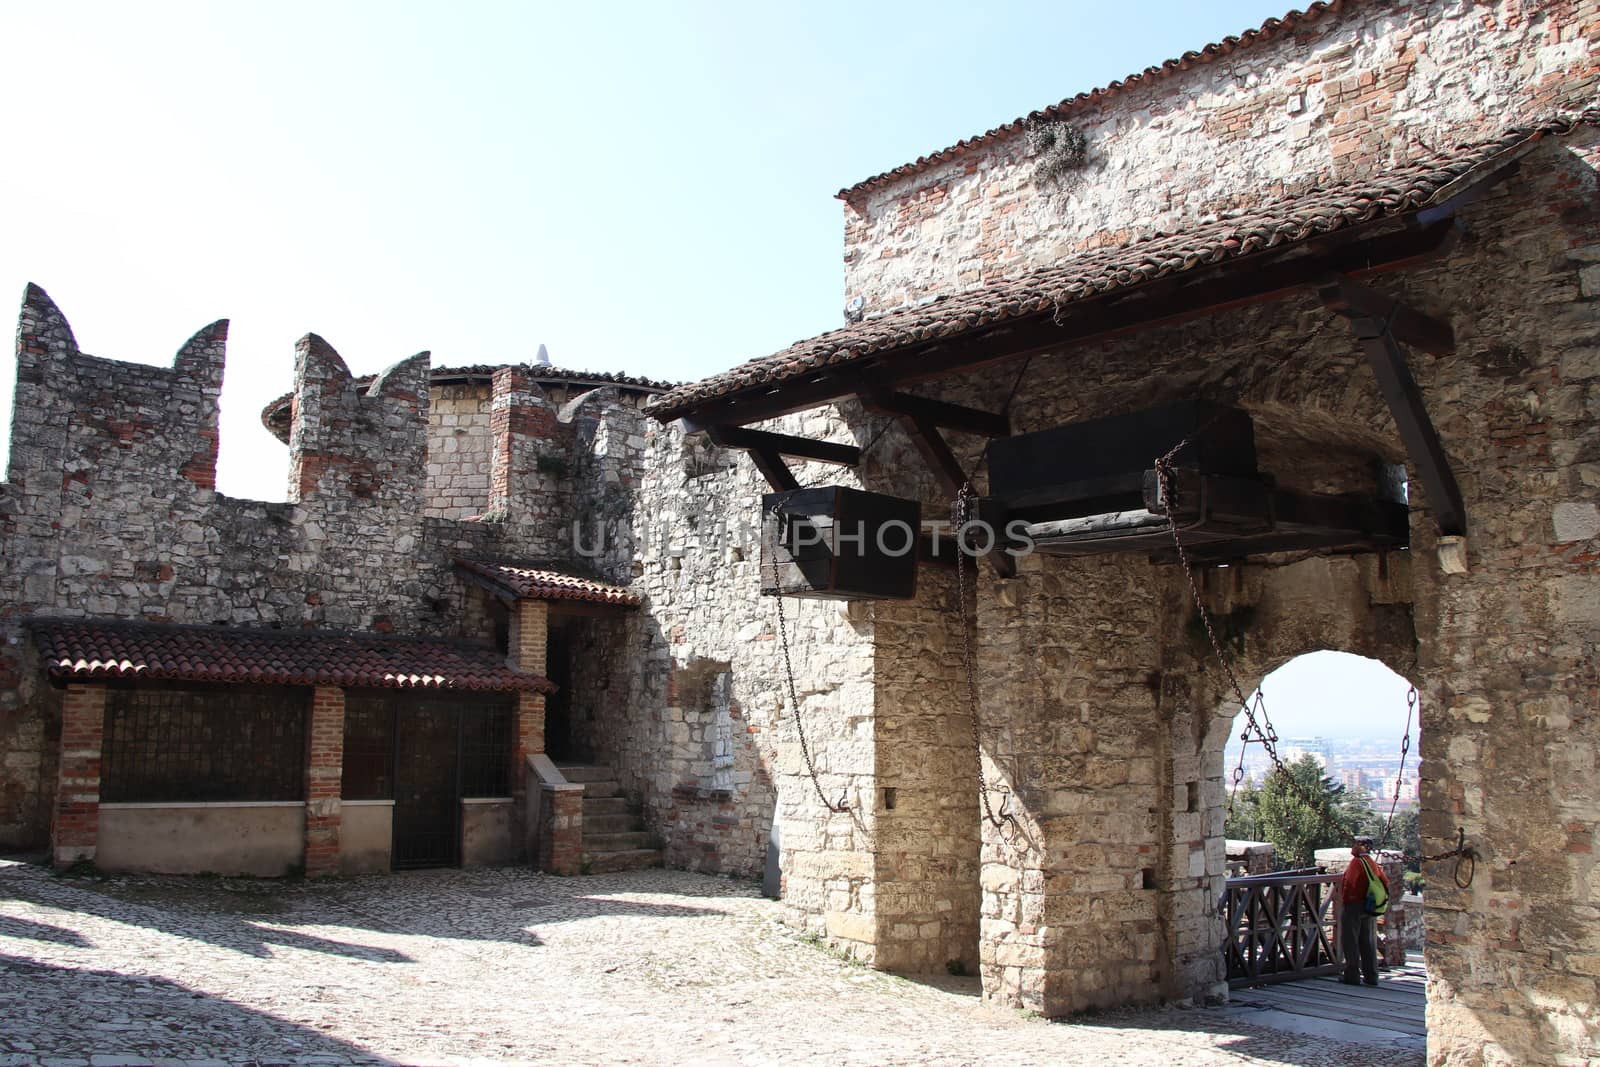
509	966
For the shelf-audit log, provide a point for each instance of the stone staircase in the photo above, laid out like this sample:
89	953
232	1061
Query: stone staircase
614	838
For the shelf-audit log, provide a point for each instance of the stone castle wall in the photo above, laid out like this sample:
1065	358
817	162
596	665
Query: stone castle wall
1114	717
109	511
1366	83
460	452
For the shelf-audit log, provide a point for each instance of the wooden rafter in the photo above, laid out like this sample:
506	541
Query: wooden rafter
782	444
1377	323
939	413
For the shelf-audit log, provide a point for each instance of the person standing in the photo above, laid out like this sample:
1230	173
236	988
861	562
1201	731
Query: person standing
1364	894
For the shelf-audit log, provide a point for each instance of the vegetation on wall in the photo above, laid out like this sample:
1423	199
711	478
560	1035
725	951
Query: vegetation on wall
1059	149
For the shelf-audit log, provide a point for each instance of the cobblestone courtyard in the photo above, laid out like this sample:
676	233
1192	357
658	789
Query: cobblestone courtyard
509	966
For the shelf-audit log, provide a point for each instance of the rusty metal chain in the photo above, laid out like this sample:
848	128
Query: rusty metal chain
1405	746
961	509
840	806
1465	856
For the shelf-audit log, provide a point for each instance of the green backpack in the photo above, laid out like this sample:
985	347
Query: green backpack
1377	901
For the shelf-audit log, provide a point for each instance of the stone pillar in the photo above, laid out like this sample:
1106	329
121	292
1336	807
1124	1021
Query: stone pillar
528	483
924	900
324	780
76	825
561	836
1072	902
526	652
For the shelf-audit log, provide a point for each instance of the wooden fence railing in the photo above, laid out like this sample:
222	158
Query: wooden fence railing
1281	927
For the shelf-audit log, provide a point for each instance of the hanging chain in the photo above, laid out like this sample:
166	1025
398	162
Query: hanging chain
1405	746
840	806
1466	858
960	513
1265	735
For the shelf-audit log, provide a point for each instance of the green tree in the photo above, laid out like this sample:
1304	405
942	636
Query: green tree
1278	812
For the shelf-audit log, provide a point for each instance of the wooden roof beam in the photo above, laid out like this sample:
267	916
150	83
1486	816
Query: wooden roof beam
1355	301
779	443
939	413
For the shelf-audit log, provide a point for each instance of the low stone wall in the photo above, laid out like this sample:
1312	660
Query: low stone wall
366	836
262	839
487	834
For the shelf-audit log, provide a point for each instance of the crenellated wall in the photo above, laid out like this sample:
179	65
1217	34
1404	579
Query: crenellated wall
109	511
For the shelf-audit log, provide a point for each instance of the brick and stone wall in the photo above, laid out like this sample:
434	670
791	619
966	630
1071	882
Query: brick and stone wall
1333	95
1116	713
460	451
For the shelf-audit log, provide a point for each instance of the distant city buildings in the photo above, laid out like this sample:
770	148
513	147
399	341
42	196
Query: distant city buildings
1360	765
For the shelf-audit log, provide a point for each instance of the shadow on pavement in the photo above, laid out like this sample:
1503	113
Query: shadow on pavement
58	1011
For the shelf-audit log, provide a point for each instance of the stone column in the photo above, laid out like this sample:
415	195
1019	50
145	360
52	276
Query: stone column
561	836
1071	910
76	825
526	647
324	780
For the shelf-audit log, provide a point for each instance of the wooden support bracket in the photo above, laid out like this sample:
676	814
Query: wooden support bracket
952	479
1357	302
767	450
1379	337
780	443
939	413
936	453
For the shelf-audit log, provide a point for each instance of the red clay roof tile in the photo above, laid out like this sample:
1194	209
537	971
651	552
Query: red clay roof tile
95	650
1393	192
532	583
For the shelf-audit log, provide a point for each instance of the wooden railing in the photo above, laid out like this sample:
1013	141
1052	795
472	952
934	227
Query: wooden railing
1281	927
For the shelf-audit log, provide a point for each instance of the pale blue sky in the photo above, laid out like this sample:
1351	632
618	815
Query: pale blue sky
1335	694
643	187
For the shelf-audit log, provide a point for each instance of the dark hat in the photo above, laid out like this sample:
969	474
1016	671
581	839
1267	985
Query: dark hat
1362	839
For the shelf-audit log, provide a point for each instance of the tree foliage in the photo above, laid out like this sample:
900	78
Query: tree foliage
1275	813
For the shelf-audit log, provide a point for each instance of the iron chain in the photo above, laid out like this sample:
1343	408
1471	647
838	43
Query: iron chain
960	514
788	672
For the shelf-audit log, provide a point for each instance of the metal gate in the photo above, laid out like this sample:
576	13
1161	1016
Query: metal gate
427	791
427	753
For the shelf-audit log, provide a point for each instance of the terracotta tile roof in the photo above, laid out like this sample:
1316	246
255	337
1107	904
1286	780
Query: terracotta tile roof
533	583
275	416
92	650
1396	191
1270	30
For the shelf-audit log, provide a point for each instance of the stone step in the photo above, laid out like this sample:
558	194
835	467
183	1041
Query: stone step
625	841
602	789
619	822
598	807
586	772
628	860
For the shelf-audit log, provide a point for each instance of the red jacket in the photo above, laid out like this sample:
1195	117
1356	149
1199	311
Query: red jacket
1355	879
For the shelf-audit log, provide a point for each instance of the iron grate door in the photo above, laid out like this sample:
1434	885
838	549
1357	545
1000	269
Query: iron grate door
427	795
